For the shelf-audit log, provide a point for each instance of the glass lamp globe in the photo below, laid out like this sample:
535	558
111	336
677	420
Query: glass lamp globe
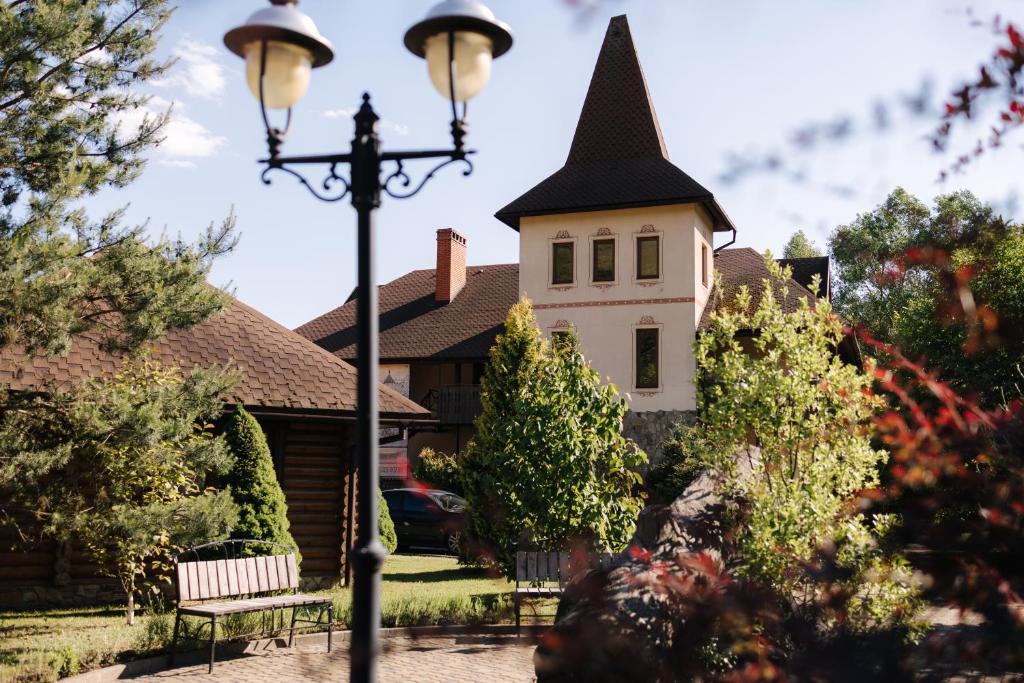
285	74
294	47
477	38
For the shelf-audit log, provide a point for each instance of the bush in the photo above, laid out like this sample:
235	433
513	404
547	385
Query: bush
684	458
262	510
439	470
549	465
388	536
809	415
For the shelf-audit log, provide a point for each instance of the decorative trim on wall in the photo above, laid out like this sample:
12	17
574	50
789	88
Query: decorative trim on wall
618	302
644	394
648	320
562	235
560	288
603	285
648	228
645	283
562	323
603	232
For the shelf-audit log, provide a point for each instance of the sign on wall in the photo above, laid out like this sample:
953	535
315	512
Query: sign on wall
394	456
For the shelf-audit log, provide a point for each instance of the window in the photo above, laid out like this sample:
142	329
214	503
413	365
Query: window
562	263
604	260
648	266
647	358
704	264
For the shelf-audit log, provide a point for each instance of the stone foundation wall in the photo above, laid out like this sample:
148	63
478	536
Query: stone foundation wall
649	429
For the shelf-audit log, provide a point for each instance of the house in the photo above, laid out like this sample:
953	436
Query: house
303	398
618	244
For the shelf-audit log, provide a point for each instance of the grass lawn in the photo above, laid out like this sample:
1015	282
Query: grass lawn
417	590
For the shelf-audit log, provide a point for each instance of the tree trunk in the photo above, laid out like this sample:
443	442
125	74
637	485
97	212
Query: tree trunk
131	606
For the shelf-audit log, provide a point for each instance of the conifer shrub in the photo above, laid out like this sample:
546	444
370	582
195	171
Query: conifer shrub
262	510
388	535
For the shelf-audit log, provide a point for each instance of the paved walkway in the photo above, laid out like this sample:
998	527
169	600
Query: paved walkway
405	660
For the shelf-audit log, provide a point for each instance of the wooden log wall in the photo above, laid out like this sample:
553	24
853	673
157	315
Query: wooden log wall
313	461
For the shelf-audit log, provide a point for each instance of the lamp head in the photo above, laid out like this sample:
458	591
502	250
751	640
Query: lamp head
280	45
459	40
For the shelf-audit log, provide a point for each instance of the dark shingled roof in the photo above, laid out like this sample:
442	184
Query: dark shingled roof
279	369
414	326
618	157
744	266
804	270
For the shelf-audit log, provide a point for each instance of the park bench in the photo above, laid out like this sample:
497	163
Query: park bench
215	580
542	574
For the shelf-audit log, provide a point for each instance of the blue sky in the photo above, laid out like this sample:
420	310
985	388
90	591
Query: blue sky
736	79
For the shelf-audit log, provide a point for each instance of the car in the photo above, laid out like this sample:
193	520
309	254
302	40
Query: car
427	518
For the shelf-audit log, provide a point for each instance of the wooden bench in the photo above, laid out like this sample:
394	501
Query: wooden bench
542	574
227	577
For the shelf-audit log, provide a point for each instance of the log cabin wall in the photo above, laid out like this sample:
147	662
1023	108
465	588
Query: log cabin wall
312	458
314	467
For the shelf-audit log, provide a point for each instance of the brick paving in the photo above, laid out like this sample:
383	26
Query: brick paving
405	660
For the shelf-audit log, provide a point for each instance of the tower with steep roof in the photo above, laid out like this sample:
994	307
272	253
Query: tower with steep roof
618	243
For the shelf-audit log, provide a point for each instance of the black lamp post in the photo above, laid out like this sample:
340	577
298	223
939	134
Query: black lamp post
458	39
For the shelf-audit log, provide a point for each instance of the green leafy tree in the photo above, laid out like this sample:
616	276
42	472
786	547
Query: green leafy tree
121	464
549	464
439	470
903	270
262	510
683	459
799	246
386	528
807	414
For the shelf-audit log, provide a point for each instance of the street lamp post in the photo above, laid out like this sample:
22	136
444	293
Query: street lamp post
458	39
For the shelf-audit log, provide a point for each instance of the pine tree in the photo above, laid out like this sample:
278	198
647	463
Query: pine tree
549	465
70	69
262	510
799	246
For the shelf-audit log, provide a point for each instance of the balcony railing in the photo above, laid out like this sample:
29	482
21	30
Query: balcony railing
458	404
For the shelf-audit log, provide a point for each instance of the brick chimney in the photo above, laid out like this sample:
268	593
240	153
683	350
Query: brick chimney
451	265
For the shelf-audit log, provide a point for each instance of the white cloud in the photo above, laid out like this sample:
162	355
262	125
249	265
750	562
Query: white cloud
185	139
198	70
384	124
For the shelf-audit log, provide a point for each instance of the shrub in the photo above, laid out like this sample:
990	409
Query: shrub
684	458
549	464
439	470
388	536
262	511
809	415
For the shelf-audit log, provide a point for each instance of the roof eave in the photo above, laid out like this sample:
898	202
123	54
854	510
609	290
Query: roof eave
722	222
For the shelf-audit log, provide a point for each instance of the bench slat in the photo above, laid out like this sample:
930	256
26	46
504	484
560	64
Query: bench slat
563	568
183	586
233	577
531	566
552	567
520	566
282	571
262	580
293	572
243	576
223	585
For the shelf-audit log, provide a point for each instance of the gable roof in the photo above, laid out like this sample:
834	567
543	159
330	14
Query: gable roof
744	266
279	369
415	326
618	157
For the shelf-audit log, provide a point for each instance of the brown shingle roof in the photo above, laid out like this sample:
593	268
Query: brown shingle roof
414	326
744	266
279	369
618	157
